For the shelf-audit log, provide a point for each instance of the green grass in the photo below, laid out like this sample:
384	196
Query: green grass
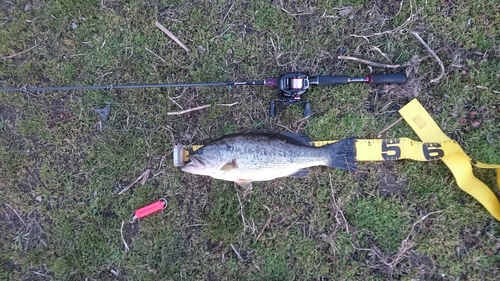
61	169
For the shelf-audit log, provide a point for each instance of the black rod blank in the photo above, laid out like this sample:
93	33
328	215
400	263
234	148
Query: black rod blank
130	86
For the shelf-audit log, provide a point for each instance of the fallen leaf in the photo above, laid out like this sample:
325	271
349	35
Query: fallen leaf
103	112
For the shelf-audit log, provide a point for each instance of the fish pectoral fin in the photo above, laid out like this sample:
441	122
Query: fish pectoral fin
300	173
246	184
233	164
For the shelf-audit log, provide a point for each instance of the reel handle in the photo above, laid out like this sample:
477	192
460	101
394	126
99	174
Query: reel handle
307	109
272	109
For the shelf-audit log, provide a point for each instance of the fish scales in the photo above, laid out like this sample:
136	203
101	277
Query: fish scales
263	153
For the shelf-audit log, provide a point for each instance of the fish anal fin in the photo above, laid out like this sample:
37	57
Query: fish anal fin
246	184
233	164
300	173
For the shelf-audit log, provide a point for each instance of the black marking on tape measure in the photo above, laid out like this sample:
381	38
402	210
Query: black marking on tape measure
390	149
432	150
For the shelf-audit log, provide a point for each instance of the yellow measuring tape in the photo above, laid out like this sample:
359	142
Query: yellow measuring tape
435	146
459	163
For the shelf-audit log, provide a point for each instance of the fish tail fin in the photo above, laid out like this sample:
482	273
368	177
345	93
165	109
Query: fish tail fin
342	154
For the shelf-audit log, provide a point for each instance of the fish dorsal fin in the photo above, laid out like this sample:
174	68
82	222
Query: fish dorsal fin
233	164
252	131
298	137
246	184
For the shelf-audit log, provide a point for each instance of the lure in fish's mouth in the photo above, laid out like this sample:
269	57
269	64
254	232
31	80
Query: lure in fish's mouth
195	162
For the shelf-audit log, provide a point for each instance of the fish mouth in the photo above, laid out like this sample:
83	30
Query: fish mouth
195	162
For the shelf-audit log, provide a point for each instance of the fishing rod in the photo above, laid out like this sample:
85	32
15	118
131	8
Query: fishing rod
291	85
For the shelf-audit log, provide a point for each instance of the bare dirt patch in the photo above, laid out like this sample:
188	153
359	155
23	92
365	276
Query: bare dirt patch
389	183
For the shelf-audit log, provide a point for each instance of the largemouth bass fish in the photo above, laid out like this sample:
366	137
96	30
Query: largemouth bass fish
247	157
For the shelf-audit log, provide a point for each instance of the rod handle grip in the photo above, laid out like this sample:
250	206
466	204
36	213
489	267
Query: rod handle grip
396	78
332	80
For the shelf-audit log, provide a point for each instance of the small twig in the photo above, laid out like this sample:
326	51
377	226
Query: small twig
17	54
375	48
406	64
123	239
172	100
230	8
161	161
294	15
285	127
237	253
169	34
324	15
179	96
144	176
196	225
265	225
399	11
272	43
243	220
366	250
434	55
188	110
40	274
224	32
408	20
338	210
388	127
228	104
301	121
154	54
405	246
17	214
417	222
330	239
258	268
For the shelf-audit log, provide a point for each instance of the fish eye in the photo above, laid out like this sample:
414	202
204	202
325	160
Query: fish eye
199	151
